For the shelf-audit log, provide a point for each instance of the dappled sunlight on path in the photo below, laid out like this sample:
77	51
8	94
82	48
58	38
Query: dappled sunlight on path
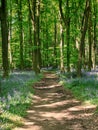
54	108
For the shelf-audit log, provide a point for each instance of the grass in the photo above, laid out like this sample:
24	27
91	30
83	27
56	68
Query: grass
15	98
85	88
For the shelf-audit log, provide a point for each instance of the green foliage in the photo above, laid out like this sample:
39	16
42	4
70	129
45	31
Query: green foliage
49	17
85	88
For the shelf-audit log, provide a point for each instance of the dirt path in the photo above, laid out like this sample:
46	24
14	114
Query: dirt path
53	108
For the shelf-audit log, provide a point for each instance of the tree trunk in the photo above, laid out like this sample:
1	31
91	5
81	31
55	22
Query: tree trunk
30	32
90	35
4	31
66	21
68	36
38	34
61	48
10	36
95	36
82	40
47	49
55	44
36	51
19	3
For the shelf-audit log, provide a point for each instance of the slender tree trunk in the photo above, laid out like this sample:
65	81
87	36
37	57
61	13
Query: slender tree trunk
35	67
62	18
47	48
95	36
47	41
30	32
4	32
68	36
19	11
90	35
55	44
30	37
10	35
61	48
66	21
82	40
38	34
36	51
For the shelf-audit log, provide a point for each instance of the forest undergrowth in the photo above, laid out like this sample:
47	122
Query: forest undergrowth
85	89
15	98
16	94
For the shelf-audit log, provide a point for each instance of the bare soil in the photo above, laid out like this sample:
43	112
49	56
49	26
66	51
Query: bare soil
54	108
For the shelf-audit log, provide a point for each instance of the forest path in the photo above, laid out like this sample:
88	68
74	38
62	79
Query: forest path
54	108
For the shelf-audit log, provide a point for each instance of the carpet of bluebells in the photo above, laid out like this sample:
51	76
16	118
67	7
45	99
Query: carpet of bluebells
15	98
85	88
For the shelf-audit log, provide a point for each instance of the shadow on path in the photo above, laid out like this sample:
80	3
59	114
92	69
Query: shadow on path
54	108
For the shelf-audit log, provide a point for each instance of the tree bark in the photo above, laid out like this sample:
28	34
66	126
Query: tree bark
30	40
55	44
90	36
84	27
61	48
68	36
95	36
10	36
19	12
4	32
66	20
36	50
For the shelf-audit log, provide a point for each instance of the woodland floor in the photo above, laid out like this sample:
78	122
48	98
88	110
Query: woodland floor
54	108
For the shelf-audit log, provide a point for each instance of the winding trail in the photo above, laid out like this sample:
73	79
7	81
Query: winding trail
54	108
